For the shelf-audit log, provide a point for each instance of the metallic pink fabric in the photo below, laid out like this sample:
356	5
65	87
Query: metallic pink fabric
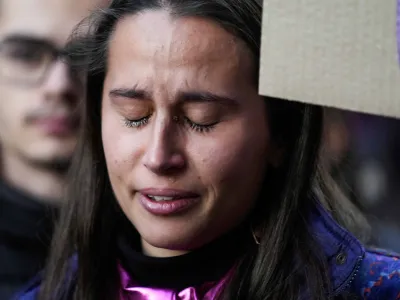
132	291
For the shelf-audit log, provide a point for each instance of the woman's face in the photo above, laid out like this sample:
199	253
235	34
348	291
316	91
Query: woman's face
185	133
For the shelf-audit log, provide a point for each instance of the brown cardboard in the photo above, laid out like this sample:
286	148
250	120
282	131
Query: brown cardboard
336	53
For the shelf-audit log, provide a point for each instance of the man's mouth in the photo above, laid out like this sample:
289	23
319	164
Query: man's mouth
57	125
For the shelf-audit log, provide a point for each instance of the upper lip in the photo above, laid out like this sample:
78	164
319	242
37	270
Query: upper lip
168	193
68	119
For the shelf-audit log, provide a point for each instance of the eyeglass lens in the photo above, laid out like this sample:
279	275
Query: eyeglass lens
25	59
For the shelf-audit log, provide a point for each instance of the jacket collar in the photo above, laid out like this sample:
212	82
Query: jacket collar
343	251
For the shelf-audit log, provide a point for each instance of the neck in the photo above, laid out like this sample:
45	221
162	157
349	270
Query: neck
45	184
180	271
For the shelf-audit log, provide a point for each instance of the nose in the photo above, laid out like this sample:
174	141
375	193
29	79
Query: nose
60	84
163	155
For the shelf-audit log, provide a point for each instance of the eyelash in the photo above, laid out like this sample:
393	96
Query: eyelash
199	128
143	121
136	123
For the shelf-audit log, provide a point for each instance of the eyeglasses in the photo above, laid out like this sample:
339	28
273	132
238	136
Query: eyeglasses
26	60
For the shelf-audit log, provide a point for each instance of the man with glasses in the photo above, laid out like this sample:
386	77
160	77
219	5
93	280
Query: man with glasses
39	96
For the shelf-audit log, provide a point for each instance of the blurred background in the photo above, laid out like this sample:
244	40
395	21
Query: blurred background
363	153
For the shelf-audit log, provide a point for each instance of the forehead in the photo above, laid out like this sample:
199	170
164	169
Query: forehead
168	35
50	19
158	39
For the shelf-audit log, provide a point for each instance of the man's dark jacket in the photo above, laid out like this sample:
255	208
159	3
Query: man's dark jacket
25	231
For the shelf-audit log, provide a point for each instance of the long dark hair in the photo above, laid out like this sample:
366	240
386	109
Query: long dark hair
286	261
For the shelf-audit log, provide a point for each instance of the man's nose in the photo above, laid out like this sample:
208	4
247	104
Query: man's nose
60	84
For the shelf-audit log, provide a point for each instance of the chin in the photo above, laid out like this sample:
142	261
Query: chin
55	159
175	237
184	232
53	151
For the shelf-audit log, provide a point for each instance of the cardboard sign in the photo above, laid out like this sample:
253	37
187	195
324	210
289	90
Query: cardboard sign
342	53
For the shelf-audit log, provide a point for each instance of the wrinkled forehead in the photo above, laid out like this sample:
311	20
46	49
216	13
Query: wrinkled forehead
50	19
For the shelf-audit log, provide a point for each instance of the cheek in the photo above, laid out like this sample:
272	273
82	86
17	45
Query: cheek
112	143
121	146
13	111
234	158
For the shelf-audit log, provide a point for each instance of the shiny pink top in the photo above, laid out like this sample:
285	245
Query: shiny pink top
132	291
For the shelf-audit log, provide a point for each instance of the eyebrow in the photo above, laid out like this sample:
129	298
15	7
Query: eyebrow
27	39
186	97
200	97
131	93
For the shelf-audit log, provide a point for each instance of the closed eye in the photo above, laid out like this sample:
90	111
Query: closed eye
136	123
200	127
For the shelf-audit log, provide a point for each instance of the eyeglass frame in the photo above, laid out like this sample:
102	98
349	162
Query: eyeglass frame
56	53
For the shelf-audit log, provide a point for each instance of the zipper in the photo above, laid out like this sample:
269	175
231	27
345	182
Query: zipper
353	275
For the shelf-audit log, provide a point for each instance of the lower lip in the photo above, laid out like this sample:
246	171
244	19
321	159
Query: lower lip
165	208
56	126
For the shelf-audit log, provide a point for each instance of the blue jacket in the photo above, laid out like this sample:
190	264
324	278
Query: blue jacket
355	272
